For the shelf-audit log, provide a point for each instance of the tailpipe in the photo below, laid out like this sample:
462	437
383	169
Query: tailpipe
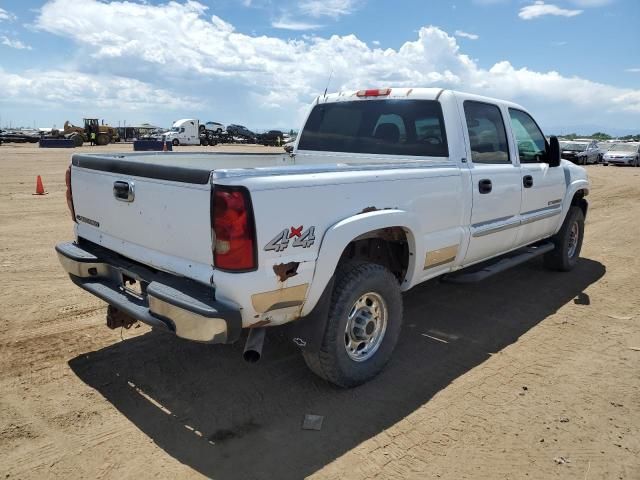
253	347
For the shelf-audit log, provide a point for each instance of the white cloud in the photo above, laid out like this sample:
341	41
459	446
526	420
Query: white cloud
328	8
17	44
540	9
177	41
57	88
4	15
285	23
463	34
376	43
633	70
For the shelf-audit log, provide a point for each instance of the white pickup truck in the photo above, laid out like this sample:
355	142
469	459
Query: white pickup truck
385	189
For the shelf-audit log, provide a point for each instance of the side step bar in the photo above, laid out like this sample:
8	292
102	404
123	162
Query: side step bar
477	273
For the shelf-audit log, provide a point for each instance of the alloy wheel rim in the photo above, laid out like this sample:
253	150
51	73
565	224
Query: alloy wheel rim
366	326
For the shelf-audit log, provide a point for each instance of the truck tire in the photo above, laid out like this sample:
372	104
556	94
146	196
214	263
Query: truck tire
175	142
77	139
204	142
568	242
363	325
102	139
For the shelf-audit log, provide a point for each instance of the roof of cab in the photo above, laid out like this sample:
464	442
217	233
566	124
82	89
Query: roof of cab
432	93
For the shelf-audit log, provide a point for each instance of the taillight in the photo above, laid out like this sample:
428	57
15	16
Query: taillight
234	229
69	195
375	92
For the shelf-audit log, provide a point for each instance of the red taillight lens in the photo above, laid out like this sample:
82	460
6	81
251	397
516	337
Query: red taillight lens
232	222
69	195
376	92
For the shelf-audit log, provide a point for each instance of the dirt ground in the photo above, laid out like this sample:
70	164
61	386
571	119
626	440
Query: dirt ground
531	374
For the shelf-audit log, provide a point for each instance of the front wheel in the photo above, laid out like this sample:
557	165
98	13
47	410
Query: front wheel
175	142
363	326
568	242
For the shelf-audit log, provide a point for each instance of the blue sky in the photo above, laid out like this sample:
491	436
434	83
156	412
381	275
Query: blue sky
574	63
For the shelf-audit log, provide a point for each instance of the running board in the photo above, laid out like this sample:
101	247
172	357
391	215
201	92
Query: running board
476	273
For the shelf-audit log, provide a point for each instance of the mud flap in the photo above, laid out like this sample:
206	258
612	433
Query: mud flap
308	332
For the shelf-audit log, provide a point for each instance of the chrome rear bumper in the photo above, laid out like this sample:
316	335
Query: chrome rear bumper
179	305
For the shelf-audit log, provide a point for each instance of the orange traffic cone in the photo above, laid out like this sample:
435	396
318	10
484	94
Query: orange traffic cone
164	146
40	187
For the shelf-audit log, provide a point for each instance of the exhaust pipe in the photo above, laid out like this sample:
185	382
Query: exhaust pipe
253	347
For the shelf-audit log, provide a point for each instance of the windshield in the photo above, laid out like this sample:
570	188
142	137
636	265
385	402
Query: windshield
391	127
175	129
575	147
624	147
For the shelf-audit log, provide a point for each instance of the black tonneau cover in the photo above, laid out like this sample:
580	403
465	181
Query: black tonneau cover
177	167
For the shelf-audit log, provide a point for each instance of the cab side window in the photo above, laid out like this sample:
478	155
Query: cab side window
532	146
487	135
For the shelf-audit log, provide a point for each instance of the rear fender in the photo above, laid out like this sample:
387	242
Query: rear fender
338	236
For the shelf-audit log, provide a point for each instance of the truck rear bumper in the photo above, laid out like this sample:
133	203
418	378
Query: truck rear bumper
166	301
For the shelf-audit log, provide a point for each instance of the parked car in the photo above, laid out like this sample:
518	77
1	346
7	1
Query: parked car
325	242
624	153
288	147
241	131
273	138
580	153
215	127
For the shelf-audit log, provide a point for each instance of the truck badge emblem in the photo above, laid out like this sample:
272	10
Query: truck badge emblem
301	238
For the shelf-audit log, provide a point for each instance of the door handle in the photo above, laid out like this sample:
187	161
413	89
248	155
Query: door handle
124	191
485	185
527	181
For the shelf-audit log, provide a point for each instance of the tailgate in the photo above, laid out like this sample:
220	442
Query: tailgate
154	214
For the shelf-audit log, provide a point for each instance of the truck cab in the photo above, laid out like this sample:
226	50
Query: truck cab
184	132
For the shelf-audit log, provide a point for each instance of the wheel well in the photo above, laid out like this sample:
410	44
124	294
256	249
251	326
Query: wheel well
578	200
386	246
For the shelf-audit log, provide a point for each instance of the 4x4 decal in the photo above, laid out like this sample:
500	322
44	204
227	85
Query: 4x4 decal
300	238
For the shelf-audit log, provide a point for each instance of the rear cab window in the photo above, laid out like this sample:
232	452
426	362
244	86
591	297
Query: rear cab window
388	127
487	134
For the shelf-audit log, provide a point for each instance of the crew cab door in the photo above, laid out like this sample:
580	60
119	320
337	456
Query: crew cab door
543	187
495	181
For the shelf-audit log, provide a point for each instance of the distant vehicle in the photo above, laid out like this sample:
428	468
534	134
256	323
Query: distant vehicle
184	132
214	127
623	154
273	138
580	153
241	131
288	147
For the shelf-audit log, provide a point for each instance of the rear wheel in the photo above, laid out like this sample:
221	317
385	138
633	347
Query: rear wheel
77	139
363	327
568	242
204	142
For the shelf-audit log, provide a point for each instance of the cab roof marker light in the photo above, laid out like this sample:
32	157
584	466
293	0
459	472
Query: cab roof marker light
374	92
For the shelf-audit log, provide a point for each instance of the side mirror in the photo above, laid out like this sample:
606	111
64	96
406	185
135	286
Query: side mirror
553	154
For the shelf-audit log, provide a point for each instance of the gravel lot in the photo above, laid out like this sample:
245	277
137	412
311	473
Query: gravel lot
531	374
